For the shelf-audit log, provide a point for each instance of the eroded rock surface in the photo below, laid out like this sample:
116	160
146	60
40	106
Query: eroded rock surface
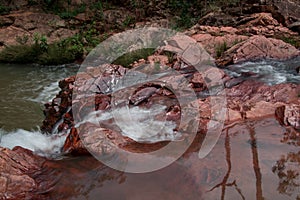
289	115
18	170
259	47
21	24
245	100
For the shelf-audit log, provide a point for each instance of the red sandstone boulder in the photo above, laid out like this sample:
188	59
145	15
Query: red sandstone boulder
289	115
18	169
258	47
256	100
20	24
245	100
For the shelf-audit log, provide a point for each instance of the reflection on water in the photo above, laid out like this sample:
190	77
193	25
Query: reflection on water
23	89
250	161
287	171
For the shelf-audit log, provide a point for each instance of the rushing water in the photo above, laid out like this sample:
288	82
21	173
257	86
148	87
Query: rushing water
24	89
269	71
252	160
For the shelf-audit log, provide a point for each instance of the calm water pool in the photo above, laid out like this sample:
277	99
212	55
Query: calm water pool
253	160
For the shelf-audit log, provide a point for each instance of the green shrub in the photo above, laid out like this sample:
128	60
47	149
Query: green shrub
68	14
170	56
128	58
128	20
183	13
40	41
221	48
32	2
20	54
4	9
294	41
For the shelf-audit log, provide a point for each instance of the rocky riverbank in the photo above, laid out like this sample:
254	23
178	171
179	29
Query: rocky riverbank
56	32
265	31
246	100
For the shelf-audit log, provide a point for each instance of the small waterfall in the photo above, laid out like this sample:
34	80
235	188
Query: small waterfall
49	146
137	123
24	89
47	94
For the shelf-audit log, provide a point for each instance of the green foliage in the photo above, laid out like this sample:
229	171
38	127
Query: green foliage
98	5
49	2
183	13
170	56
24	53
294	41
58	8
128	20
68	14
61	52
4	9
184	21
32	2
91	35
135	4
40	41
19	54
128	58
221	48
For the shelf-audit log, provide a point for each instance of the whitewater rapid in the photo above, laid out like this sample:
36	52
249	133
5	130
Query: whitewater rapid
45	145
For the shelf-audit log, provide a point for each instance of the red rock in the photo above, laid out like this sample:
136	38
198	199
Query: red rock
246	100
258	47
73	144
17	173
256	100
259	19
289	115
285	11
262	109
212	42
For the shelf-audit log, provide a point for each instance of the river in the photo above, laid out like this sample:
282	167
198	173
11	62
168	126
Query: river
252	160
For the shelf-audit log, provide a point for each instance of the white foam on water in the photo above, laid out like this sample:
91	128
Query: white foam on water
269	71
47	94
140	125
49	146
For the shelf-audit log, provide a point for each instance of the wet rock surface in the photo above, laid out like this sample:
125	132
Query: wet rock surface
246	99
288	115
19	169
23	174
